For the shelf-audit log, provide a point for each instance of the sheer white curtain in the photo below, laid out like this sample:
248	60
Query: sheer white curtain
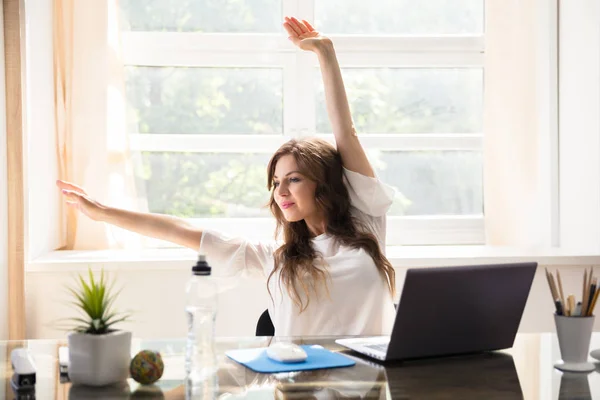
516	207
91	128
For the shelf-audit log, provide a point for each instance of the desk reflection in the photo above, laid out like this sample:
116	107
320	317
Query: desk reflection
362	381
574	386
489	376
524	371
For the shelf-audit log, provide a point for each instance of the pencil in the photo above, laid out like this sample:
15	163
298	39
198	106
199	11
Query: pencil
550	285
585	295
566	306
562	296
591	310
590	293
553	285
560	308
571	301
590	280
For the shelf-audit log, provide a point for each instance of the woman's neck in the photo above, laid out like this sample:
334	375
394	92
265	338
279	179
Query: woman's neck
316	225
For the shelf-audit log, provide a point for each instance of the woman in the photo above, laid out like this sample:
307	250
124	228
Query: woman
330	276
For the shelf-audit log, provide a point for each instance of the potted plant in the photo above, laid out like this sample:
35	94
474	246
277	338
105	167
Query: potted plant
99	354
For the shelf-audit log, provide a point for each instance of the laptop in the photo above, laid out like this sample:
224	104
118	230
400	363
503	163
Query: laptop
452	311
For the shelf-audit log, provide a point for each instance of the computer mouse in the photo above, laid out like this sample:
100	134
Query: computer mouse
286	352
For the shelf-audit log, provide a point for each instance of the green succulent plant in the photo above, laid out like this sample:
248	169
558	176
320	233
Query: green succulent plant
94	300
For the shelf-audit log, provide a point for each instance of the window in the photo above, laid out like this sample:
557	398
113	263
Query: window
214	87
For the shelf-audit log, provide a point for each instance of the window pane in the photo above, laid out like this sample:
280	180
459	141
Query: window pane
432	182
204	100
202	185
410	100
201	15
400	17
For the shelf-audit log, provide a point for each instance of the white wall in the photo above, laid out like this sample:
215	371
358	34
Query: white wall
3	197
546	75
155	296
43	222
579	123
155	292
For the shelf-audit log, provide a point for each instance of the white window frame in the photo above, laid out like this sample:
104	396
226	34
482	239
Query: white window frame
274	50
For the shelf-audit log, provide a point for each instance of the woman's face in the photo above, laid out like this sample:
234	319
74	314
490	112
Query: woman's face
293	192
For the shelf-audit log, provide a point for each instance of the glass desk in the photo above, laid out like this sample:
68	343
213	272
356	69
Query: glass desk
522	372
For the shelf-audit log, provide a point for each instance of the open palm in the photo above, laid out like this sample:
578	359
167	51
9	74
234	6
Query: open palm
77	197
302	34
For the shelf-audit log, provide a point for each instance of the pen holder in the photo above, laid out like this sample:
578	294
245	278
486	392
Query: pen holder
574	334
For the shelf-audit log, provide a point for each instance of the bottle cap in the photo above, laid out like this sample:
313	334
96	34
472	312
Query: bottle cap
201	267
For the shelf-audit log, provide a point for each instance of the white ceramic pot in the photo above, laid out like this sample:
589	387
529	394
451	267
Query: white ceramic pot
99	360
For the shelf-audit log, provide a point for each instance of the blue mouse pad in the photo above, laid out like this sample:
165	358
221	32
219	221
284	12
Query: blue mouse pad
317	358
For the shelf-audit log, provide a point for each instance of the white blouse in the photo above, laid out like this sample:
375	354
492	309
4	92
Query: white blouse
356	301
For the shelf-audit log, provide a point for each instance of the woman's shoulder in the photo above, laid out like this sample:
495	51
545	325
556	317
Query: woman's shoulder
368	194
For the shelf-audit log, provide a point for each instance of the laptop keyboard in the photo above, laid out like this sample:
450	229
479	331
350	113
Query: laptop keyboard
379	347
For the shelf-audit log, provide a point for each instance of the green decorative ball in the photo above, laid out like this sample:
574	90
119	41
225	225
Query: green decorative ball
146	367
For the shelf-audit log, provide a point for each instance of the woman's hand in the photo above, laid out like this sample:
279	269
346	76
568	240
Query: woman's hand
78	198
303	35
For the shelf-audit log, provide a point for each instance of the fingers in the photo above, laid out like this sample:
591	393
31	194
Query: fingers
290	31
71	195
69	186
308	25
291	28
299	30
299	25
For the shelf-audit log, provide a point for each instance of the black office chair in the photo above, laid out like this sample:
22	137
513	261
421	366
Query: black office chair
264	326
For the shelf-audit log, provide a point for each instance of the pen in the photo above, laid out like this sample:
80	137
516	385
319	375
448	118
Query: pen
559	310
577	312
592	290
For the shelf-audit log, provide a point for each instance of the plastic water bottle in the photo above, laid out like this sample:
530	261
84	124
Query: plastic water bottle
201	309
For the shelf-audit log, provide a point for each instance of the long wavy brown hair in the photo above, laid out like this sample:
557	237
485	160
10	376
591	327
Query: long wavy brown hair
320	162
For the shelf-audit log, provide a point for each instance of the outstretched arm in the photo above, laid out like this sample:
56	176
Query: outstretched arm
302	34
163	227
233	252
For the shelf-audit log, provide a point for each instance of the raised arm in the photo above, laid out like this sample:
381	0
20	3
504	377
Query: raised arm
303	35
163	227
